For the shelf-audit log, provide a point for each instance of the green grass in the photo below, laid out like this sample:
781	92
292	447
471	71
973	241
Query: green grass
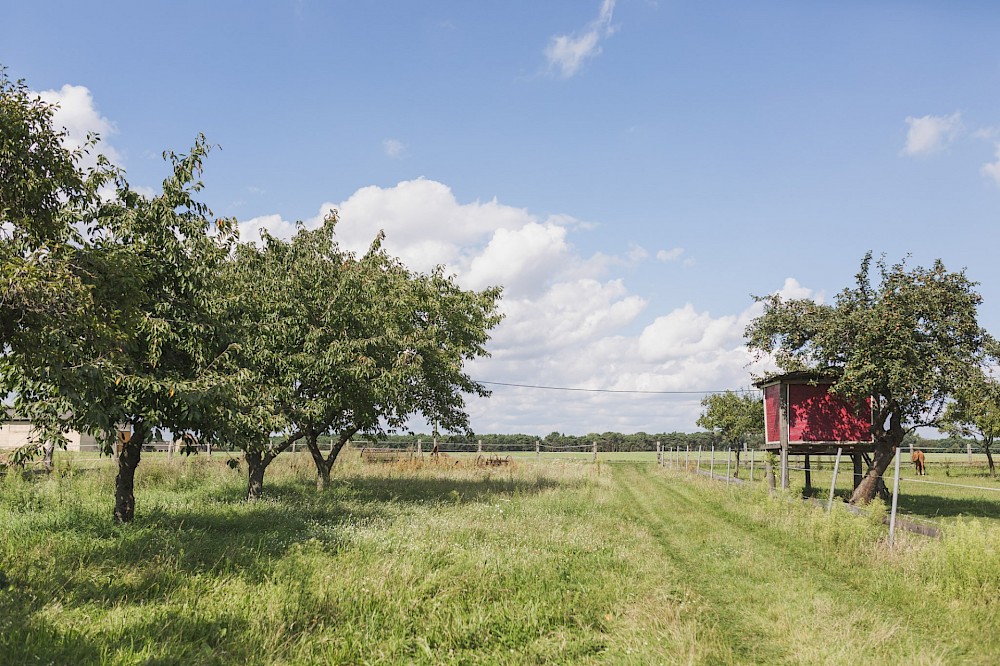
556	562
956	489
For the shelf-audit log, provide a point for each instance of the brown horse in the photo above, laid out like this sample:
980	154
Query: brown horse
918	462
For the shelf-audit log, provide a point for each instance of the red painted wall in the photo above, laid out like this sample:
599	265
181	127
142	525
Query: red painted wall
814	415
772	413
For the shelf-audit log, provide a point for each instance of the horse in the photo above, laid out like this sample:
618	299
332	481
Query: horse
918	462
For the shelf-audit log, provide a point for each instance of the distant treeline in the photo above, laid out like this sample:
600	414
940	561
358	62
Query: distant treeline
610	442
607	442
617	442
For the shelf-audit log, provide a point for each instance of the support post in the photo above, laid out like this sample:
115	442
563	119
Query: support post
784	468
595	450
659	454
968	448
687	458
420	448
729	465
833	484
170	450
858	471
479	446
538	447
752	456
809	477
699	459
711	465
895	496
208	447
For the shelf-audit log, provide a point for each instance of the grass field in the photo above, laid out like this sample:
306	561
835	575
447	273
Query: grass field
558	562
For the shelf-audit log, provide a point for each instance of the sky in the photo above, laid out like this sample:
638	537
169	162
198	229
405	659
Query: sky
631	171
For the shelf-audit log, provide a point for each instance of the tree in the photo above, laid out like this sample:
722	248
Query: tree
343	344
44	295
975	413
909	341
735	417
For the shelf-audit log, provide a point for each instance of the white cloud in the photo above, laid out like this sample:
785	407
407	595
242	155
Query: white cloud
77	113
670	255
567	53
992	169
570	321
272	224
394	148
931	134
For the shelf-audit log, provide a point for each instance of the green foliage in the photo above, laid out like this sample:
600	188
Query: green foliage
736	418
331	342
909	340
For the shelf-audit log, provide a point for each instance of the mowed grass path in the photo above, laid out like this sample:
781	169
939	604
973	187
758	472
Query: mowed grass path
540	563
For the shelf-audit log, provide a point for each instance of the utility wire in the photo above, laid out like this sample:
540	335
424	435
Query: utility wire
589	390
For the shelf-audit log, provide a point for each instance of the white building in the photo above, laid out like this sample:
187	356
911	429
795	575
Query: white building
16	432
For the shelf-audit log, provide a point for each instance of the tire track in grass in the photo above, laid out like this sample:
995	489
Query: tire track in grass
766	596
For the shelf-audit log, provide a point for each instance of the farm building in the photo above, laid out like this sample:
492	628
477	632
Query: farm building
802	416
16	432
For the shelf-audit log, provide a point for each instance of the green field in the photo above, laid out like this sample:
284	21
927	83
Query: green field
539	562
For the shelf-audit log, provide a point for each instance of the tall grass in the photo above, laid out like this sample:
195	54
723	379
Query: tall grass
450	563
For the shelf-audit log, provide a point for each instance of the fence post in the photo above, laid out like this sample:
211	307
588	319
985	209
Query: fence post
729	464
895	496
687	458
968	448
699	458
659	454
595	450
479	446
752	456
711	465
170	450
784	467
833	484
208	447
538	447
420	448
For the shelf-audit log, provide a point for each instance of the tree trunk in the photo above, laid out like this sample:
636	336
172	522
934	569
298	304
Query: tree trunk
48	449
255	474
324	466
129	454
257	462
736	472
989	460
869	486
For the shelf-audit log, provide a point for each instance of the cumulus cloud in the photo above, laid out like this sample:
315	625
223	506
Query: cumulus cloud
569	320
992	169
394	148
77	113
670	255
272	224
566	53
931	134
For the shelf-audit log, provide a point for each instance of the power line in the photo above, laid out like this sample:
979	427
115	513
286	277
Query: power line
591	390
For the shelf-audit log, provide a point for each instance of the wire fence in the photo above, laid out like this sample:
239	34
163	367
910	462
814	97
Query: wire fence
924	508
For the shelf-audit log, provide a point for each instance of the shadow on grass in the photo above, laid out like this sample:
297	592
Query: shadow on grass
215	532
925	506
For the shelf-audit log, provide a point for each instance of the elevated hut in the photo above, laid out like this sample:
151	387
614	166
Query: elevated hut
802	416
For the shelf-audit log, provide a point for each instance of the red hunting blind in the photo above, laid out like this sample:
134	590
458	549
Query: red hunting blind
802	416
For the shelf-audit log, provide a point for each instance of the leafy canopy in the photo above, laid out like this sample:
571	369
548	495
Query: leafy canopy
908	337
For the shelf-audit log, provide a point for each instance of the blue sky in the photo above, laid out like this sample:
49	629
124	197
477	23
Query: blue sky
631	170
